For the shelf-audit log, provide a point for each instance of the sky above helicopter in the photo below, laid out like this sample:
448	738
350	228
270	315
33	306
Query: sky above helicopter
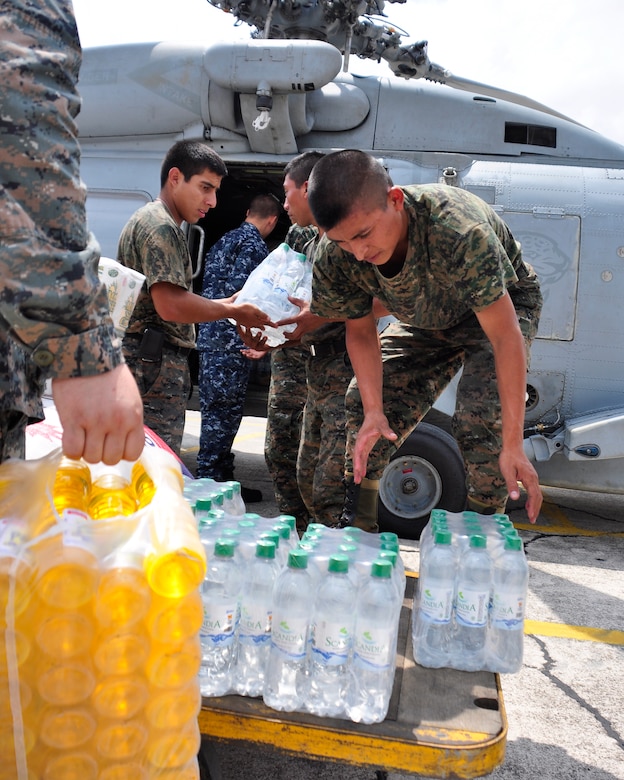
564	55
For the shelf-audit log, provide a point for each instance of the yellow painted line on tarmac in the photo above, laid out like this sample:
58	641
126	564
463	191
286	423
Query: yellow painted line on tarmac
565	530
560	523
584	633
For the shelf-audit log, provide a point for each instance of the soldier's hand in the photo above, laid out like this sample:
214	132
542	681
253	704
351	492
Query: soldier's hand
516	467
374	425
101	415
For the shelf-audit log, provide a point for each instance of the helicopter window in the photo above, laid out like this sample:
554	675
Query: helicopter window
532	135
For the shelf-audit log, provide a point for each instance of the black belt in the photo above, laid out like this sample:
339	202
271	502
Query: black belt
328	349
174	349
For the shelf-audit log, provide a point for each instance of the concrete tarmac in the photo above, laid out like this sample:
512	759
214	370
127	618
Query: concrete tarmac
565	708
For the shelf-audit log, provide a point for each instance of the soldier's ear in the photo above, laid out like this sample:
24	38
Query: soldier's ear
396	198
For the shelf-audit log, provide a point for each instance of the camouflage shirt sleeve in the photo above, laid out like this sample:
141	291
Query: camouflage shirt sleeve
461	258
341	287
53	309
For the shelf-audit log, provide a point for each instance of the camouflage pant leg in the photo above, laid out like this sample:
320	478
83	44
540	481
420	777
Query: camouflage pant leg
320	465
12	439
287	397
417	366
164	388
477	424
223	379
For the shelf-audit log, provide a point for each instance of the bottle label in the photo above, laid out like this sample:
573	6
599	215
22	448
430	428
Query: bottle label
77	531
471	607
219	623
436	603
255	623
373	648
507	611
290	636
331	642
11	540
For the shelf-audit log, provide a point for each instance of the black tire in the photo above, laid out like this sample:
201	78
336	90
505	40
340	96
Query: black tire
427	472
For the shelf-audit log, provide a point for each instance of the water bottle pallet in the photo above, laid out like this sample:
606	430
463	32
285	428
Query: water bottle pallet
472	590
440	722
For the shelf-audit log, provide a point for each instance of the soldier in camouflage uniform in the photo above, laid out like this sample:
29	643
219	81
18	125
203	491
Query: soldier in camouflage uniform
54	319
305	437
161	331
223	369
448	268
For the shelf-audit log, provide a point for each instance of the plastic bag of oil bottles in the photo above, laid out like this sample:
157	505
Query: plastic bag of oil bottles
99	621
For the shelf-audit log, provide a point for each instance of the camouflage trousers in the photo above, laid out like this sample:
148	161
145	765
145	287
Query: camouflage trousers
223	379
320	463
165	387
417	366
287	396
42	200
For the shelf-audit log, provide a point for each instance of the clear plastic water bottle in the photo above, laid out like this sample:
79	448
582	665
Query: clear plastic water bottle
236	505
270	284
220	593
432	615
510	583
331	637
472	599
284	687
256	615
374	647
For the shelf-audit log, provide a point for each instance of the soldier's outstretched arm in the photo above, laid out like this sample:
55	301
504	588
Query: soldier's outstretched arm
365	354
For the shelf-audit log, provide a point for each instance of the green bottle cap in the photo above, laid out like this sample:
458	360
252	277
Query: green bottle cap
272	536
513	543
224	548
389	555
443	537
265	548
298	559
290	519
478	541
381	569
217	498
338	563
283	530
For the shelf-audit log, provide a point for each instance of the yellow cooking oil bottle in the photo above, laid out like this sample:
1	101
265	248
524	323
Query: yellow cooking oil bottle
67	567
175	564
143	485
112	493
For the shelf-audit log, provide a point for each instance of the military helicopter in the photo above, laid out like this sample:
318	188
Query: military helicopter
259	102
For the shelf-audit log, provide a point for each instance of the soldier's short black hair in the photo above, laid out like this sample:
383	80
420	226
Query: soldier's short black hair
344	180
300	167
265	205
191	158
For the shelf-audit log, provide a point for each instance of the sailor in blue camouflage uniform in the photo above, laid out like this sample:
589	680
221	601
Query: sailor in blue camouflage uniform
223	369
442	261
54	319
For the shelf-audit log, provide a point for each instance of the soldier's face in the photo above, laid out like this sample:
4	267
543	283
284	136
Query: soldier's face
195	197
374	236
296	203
